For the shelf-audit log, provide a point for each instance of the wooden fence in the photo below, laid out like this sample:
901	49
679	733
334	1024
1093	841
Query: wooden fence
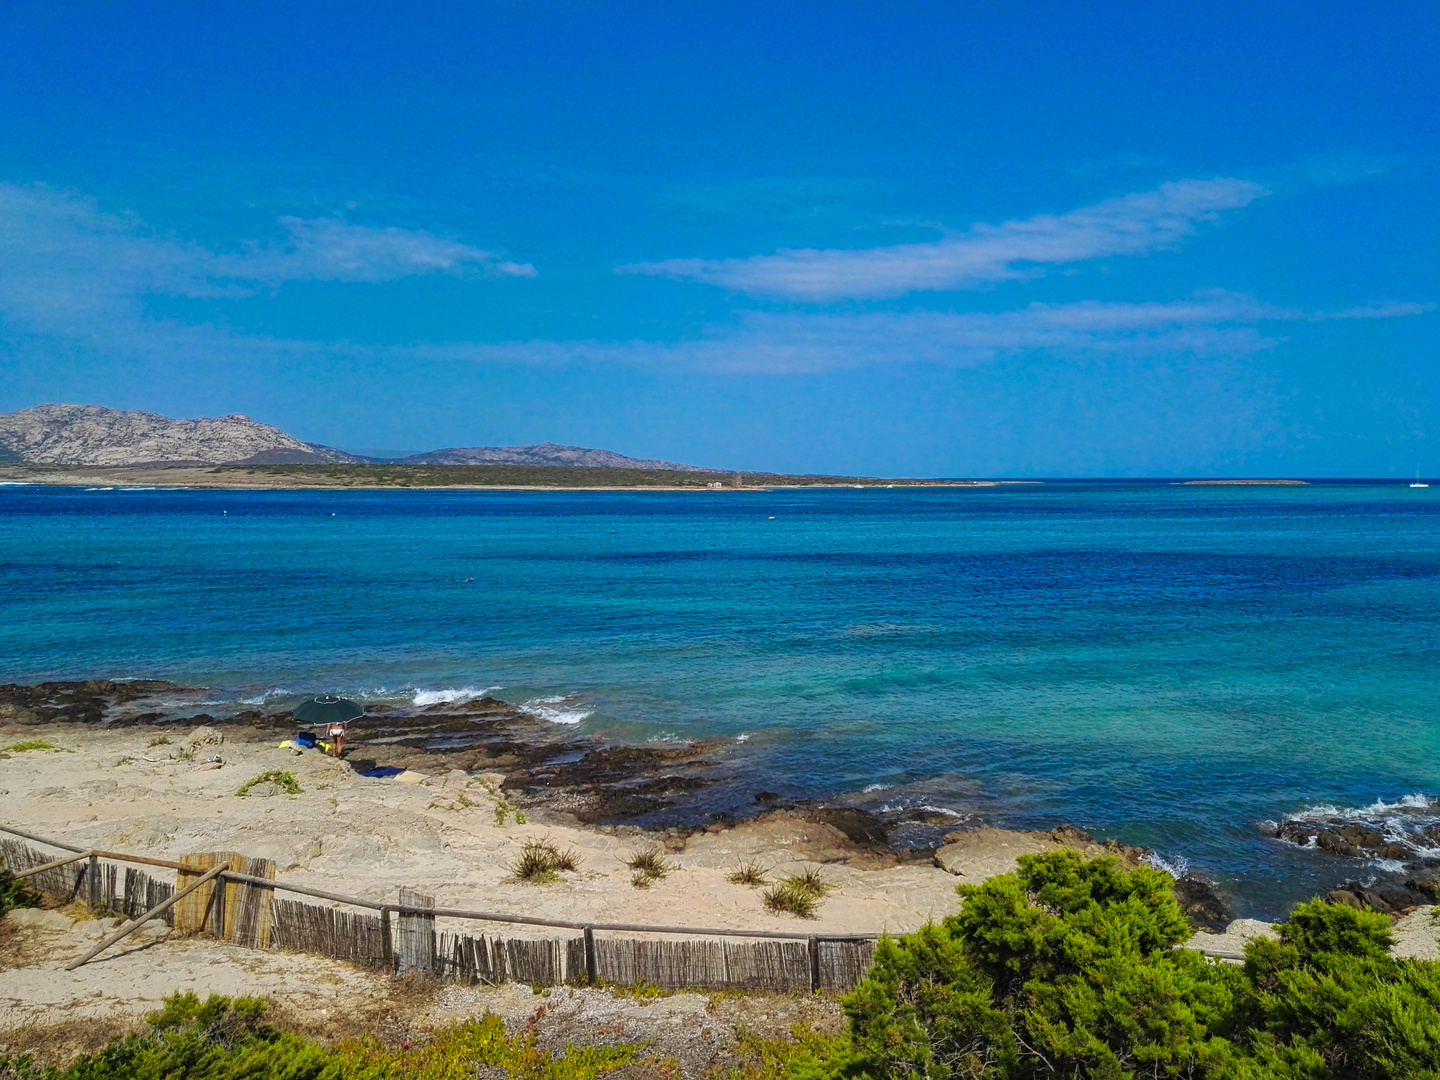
242	907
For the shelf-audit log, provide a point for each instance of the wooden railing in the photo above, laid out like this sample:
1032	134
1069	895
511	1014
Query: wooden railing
401	938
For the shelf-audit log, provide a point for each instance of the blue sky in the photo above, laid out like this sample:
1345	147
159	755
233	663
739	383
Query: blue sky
904	239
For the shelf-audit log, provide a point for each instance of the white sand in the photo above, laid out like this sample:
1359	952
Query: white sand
367	837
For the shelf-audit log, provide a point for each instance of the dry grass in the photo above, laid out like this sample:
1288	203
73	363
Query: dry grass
650	865
750	873
798	894
541	861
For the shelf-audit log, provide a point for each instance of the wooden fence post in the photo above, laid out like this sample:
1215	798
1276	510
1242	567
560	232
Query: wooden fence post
92	883
814	963
387	942
592	971
217	908
417	935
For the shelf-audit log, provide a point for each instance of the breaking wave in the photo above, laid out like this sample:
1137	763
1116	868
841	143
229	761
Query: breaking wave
446	697
559	709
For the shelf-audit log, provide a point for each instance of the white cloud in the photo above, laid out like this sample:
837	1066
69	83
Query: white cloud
67	266
71	273
1129	225
800	343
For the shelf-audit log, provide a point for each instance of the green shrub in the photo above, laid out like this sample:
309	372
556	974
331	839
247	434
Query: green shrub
1068	968
284	780
541	861
650	865
749	873
225	1039
797	894
32	744
14	893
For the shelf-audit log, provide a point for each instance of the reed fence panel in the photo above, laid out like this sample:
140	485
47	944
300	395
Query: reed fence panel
340	935
61	883
536	961
415	936
703	962
844	963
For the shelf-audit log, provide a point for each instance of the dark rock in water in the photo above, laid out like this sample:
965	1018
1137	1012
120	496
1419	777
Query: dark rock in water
1202	905
1388	898
860	827
81	702
767	796
1426	887
1336	844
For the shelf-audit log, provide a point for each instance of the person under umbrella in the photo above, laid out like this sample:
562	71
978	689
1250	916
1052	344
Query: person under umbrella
333	714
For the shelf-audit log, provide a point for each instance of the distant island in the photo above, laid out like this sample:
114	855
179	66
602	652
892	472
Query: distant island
97	446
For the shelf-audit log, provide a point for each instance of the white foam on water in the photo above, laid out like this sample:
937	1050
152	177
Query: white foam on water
666	736
555	710
445	697
1176	867
744	736
877	787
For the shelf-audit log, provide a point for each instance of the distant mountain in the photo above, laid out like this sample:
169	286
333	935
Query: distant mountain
545	453
95	435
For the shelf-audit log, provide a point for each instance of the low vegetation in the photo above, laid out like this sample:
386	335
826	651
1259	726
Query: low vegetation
32	744
540	862
649	864
159	740
14	893
227	1039
283	779
750	873
1069	968
797	894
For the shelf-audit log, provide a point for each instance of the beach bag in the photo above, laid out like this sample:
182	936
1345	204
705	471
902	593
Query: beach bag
306	739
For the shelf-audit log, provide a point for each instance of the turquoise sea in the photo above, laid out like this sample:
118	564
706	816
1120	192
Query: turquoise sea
1168	665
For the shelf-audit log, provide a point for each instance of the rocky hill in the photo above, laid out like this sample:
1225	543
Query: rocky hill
95	435
545	453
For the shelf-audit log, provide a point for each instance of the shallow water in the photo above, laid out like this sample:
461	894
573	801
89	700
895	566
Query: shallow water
1168	665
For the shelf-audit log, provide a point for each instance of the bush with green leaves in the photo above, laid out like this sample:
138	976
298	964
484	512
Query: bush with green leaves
14	893
1068	968
226	1039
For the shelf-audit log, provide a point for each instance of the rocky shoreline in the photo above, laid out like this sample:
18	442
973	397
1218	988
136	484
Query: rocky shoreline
658	788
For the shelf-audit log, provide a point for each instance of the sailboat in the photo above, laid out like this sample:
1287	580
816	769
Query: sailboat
1418	482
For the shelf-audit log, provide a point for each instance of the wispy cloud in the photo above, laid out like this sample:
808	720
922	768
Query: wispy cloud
1211	323
1129	225
67	265
71	273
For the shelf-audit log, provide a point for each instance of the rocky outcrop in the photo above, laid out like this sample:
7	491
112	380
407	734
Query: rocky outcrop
542	454
96	436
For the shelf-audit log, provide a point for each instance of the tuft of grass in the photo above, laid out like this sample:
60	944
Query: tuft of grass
285	781
784	898
541	861
750	873
810	881
650	865
797	894
33	744
159	740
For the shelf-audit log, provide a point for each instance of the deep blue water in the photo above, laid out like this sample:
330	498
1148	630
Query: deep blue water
1164	664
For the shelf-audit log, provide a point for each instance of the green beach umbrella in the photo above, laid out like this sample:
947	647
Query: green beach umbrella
327	710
